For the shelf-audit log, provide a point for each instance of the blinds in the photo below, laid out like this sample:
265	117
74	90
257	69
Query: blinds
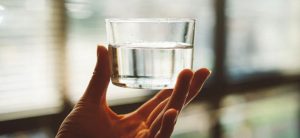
48	48
27	65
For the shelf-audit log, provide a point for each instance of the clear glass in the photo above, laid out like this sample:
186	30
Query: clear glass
149	53
86	27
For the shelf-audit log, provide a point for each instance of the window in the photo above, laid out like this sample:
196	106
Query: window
28	83
262	37
32	61
48	53
268	113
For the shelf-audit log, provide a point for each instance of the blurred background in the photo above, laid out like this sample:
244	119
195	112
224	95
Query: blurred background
48	52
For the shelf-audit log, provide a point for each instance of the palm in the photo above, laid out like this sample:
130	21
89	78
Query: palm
91	117
131	125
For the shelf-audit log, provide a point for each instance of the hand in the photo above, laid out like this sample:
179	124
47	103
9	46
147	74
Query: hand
92	117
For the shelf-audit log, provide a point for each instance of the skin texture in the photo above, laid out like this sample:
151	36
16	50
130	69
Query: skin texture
92	118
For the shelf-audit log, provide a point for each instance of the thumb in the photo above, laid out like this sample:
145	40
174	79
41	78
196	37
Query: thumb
96	90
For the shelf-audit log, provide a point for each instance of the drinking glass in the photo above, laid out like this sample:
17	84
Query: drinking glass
149	53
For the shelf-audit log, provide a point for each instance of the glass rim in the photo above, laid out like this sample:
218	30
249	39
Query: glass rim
149	20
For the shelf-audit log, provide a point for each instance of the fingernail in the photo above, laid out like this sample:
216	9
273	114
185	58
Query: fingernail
175	120
209	71
97	51
208	75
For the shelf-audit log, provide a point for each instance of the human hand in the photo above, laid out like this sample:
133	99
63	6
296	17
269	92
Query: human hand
92	118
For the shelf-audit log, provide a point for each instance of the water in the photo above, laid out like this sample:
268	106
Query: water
149	65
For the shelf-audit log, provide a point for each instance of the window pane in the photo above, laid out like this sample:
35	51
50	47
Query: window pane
86	28
263	37
27	79
193	113
268	113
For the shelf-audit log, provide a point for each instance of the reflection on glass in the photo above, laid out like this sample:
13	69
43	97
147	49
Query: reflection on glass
263	36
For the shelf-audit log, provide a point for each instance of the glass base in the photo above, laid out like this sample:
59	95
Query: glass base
144	83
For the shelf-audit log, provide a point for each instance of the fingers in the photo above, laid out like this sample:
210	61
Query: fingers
143	134
177	98
96	90
186	89
199	78
168	123
146	109
181	90
156	112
